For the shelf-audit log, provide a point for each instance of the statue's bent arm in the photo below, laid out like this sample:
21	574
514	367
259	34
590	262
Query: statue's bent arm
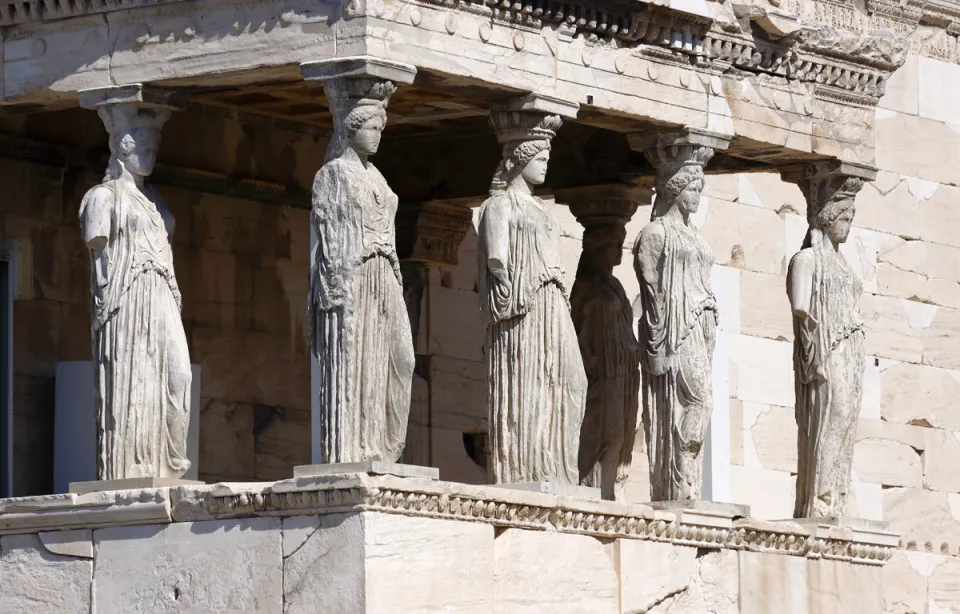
497	239
800	283
97	218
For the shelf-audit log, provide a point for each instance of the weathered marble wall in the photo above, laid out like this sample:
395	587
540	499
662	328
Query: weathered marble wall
360	544
242	266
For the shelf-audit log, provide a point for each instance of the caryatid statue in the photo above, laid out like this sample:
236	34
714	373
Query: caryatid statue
603	317
677	330
535	378
360	332
828	346
140	356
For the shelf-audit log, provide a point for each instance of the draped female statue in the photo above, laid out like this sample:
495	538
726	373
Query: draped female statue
677	330
360	333
536	383
828	346
140	356
603	318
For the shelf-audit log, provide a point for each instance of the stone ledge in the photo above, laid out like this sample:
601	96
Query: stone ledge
500	507
84	511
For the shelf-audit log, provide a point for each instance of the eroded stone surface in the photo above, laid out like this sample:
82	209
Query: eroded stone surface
714	587
323	564
552	572
887	462
904	589
427	565
212	565
37	580
651	573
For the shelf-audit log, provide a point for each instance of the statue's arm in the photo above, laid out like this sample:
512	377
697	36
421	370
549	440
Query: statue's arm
800	282
647	254
337	218
496	238
96	217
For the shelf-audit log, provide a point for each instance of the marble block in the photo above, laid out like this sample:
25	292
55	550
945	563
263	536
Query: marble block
208	566
542	571
375	563
371	467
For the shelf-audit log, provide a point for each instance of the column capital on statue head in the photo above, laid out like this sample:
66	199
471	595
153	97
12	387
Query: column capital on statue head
609	203
357	67
820	170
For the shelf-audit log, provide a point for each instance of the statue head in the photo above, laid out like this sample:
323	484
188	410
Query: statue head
603	245
525	137
835	217
680	177
134	137
359	107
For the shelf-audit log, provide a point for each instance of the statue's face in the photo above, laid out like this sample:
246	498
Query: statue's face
366	141
535	172
689	199
140	149
839	229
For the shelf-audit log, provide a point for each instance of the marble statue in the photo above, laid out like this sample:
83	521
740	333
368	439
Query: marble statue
828	345
603	317
536	382
677	330
360	332
140	356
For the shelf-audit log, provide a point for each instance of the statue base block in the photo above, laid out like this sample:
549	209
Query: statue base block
553	488
80	488
860	524
734	510
874	532
370	467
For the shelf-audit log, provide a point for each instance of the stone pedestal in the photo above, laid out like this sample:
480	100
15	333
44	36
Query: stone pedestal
81	488
371	467
553	488
75	426
731	510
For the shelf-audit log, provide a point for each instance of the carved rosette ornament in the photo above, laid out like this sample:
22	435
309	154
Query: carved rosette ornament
536	383
677	330
603	317
360	332
140	357
828	355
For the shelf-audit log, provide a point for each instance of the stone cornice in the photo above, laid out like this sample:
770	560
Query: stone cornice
500	507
